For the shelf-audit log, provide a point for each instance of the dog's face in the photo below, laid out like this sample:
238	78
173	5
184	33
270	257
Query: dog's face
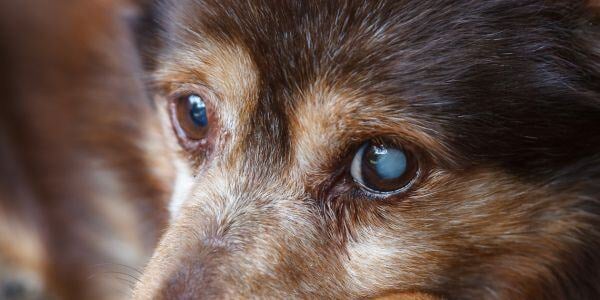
348	149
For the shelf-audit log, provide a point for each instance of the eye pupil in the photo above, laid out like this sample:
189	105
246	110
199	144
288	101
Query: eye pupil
387	163
197	111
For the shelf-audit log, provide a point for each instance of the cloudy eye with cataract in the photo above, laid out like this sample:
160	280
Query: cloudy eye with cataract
383	168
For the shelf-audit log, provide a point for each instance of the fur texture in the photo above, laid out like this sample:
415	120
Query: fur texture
501	99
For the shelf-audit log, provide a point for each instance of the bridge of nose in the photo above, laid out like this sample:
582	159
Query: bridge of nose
234	224
196	275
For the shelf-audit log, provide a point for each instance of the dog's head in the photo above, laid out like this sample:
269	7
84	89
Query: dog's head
361	148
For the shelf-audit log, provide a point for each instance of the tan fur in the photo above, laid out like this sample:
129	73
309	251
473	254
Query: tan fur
331	117
227	233
267	209
229	76
407	296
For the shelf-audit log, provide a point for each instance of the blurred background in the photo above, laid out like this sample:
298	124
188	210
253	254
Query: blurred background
83	176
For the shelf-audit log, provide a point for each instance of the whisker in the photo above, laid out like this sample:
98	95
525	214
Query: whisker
118	265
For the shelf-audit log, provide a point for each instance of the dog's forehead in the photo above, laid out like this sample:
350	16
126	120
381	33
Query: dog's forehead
322	69
458	69
293	44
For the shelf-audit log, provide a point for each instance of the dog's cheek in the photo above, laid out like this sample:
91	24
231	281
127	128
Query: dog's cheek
182	187
382	261
468	235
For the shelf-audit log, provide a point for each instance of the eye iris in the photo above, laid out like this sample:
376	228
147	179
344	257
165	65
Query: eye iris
197	111
190	117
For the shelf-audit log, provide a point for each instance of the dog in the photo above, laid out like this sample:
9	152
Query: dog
359	149
327	149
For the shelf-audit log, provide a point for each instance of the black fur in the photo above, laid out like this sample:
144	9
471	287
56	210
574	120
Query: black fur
513	84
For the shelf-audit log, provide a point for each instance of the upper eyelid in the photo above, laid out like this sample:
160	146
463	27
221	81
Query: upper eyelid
356	142
163	82
208	94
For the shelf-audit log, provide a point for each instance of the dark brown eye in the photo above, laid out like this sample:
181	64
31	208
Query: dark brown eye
190	117
383	168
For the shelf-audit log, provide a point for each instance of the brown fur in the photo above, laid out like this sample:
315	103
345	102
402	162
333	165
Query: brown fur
498	98
506	208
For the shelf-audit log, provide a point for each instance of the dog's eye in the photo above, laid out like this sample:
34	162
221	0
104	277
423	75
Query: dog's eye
383	168
191	116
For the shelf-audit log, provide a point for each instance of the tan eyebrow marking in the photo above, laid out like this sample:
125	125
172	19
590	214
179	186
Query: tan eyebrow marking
230	73
327	117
